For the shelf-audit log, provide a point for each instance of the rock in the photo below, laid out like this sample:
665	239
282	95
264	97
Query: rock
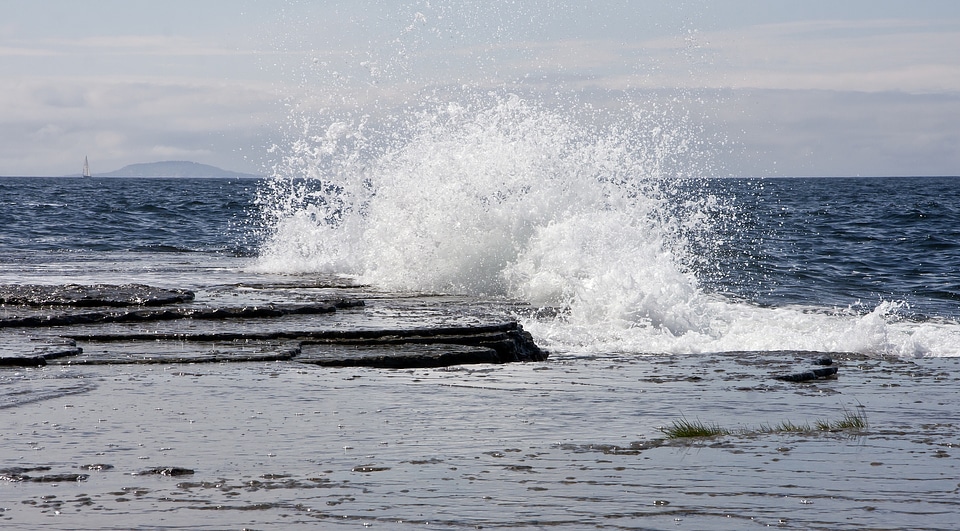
166	471
168	352
17	474
124	324
436	347
168	314
22	361
424	347
397	356
806	376
95	295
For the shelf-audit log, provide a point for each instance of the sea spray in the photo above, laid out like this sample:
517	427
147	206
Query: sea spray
596	220
499	197
590	204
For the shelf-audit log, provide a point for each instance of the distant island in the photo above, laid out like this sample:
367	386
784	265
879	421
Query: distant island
174	168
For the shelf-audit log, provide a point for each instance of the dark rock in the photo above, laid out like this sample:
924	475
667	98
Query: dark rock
115	326
98	467
16	474
396	356
438	347
168	314
412	348
806	376
58	348
59	478
22	361
369	468
34	352
166	471
95	295
145	353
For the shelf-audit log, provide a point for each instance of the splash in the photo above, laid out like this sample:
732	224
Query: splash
501	197
601	221
593	213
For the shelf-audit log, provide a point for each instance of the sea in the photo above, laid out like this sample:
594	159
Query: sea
664	291
868	264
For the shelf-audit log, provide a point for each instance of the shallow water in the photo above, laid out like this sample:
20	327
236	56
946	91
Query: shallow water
567	443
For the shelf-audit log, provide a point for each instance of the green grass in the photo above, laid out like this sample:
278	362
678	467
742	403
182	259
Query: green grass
683	428
784	426
851	421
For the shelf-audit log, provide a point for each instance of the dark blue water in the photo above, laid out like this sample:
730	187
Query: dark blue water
822	242
142	215
843	242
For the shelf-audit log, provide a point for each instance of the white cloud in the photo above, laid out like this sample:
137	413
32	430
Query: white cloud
870	55
807	93
49	123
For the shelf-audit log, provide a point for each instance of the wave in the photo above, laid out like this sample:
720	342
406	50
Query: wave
601	220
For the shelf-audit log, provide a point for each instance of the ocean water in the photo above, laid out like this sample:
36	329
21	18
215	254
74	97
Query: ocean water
660	292
601	264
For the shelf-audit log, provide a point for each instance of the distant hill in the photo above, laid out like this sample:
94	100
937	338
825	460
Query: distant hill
173	168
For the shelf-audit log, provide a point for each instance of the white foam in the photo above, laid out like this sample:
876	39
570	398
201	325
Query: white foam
500	196
742	327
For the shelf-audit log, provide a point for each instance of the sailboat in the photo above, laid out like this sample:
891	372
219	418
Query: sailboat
86	167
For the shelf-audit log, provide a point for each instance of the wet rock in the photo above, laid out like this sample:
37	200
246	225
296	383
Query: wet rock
437	347
105	333
172	471
413	348
34	352
97	467
59	478
17	474
22	361
369	468
93	295
396	356
152	352
55	348
168	314
805	376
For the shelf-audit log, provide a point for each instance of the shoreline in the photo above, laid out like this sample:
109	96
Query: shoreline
565	443
568	442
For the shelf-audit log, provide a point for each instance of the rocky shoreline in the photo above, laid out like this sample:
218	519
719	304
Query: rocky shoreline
77	325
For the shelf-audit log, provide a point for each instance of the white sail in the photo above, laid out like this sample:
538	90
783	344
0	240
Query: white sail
86	167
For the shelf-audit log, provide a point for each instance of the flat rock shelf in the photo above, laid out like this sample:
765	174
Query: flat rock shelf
138	324
306	403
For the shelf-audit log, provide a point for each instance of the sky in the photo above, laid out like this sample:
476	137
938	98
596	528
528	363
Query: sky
814	88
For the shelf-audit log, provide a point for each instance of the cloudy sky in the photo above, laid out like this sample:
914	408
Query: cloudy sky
854	87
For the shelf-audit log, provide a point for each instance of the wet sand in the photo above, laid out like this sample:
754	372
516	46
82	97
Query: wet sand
568	443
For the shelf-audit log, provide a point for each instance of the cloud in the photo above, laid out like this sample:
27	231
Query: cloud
826	133
49	123
807	97
865	55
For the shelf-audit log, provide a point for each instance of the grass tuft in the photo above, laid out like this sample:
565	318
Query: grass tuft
684	428
784	426
855	421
